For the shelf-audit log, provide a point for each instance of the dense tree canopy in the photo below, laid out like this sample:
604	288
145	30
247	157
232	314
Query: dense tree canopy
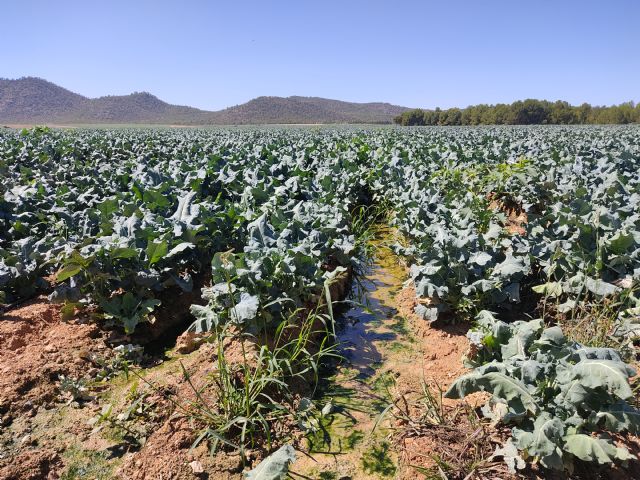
523	112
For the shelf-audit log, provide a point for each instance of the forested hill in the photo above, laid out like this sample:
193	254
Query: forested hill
33	100
527	112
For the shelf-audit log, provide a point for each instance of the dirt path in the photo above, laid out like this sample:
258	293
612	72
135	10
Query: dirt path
390	354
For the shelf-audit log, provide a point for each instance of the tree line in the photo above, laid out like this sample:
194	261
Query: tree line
524	112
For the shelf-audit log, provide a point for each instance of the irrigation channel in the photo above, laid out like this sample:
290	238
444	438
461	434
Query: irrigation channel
380	351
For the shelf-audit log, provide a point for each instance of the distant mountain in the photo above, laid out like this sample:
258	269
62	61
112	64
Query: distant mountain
307	110
32	100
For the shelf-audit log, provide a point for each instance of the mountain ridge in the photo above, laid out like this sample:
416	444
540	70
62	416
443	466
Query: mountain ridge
30	100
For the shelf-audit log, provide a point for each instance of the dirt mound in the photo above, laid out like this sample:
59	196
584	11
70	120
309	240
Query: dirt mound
461	440
443	348
167	454
36	347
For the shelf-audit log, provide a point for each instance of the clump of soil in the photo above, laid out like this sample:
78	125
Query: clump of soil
167	454
167	451
442	347
33	464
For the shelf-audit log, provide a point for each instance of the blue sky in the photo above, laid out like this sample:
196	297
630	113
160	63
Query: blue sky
415	53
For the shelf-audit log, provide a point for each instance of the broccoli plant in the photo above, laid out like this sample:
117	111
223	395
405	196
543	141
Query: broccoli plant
562	398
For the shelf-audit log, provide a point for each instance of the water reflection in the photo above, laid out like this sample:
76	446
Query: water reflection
358	326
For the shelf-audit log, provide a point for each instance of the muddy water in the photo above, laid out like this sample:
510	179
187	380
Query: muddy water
376	343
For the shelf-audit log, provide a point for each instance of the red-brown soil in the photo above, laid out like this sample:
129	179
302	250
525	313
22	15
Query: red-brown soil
36	348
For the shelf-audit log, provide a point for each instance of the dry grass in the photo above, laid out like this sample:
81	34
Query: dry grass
444	441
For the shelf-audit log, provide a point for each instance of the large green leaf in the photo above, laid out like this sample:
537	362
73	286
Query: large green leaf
620	242
246	308
156	251
544	441
206	320
275	466
551	289
68	271
594	449
619	418
499	385
124	252
522	335
610	375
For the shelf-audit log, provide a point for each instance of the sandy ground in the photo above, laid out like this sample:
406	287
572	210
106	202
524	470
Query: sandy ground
36	348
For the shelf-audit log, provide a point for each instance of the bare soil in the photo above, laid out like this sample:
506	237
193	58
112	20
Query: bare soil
167	452
36	347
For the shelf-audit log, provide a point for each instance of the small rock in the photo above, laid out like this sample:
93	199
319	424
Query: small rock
50	349
189	342
196	467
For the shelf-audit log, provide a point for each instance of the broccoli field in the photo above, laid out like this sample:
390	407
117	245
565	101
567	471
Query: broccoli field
183	301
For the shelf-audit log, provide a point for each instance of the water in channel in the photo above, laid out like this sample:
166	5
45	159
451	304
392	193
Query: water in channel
350	440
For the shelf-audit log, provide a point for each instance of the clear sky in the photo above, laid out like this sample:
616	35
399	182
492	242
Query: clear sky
214	54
